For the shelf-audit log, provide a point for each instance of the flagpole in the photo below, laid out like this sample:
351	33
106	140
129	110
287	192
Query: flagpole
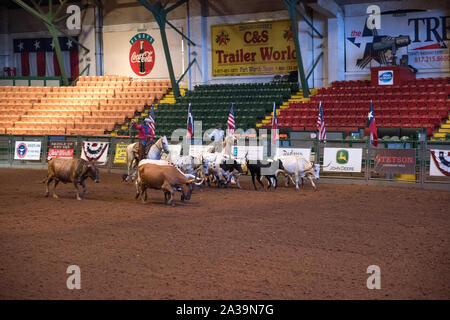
369	151
318	140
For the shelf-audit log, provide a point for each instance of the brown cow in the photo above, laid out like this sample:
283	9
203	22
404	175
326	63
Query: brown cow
70	170
165	178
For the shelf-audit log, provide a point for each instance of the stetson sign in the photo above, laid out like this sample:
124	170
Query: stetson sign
142	54
395	161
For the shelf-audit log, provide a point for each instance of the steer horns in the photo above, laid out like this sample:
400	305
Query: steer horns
194	179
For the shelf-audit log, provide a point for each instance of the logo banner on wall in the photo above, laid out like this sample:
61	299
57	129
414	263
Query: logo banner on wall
142	54
252	152
385	77
61	149
282	152
95	151
440	162
121	153
429	47
252	48
28	150
395	161
342	159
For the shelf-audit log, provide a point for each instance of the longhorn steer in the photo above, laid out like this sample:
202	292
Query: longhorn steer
165	178
70	170
299	167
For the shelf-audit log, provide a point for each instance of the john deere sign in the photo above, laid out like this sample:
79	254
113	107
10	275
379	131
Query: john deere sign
342	156
342	160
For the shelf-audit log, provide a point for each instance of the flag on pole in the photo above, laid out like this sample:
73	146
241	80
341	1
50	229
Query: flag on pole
152	122
274	124
231	126
190	122
321	125
372	126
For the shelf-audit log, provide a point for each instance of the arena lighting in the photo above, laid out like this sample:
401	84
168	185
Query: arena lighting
389	43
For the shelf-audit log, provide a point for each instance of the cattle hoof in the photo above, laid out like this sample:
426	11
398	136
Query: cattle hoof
55	196
46	195
78	198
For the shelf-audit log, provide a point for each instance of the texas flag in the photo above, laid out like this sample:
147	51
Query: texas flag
372	126
37	57
274	125
190	123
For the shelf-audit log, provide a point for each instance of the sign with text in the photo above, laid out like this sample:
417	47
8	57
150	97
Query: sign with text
252	48
121	153
282	152
385	77
427	30
61	149
395	161
342	159
27	150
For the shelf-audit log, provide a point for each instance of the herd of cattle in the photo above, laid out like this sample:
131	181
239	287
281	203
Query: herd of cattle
174	173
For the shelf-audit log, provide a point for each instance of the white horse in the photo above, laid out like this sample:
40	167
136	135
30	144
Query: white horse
153	154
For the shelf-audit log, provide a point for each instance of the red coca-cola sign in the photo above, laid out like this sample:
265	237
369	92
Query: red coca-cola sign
142	54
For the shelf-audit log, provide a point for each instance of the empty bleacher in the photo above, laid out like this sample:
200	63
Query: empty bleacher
92	107
211	104
422	103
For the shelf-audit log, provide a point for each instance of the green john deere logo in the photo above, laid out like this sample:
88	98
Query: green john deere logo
342	156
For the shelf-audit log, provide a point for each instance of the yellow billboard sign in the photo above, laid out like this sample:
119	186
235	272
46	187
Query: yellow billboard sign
121	153
255	48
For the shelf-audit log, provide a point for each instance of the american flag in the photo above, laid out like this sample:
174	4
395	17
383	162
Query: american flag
321	125
231	126
274	124
37	57
190	122
372	126
152	122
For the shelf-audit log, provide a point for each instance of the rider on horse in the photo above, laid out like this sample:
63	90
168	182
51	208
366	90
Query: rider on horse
145	135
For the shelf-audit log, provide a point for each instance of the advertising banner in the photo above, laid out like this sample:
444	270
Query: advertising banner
121	153
196	149
427	30
61	149
95	151
342	159
252	48
440	162
395	161
27	150
385	77
282	152
252	152
142	54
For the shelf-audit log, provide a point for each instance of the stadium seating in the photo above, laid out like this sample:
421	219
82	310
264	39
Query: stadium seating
92	107
211	104
422	103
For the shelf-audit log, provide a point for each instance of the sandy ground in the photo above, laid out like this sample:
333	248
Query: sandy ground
223	243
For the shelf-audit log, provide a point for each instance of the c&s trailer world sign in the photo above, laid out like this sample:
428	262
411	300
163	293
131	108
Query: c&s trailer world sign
252	48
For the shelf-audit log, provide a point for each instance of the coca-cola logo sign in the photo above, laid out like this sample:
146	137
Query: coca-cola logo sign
142	54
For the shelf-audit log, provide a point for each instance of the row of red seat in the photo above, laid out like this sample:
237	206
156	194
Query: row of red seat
367	83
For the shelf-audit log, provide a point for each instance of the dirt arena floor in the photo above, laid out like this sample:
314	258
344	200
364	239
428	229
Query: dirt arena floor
223	244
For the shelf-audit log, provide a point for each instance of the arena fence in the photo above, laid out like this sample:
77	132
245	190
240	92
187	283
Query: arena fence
366	157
